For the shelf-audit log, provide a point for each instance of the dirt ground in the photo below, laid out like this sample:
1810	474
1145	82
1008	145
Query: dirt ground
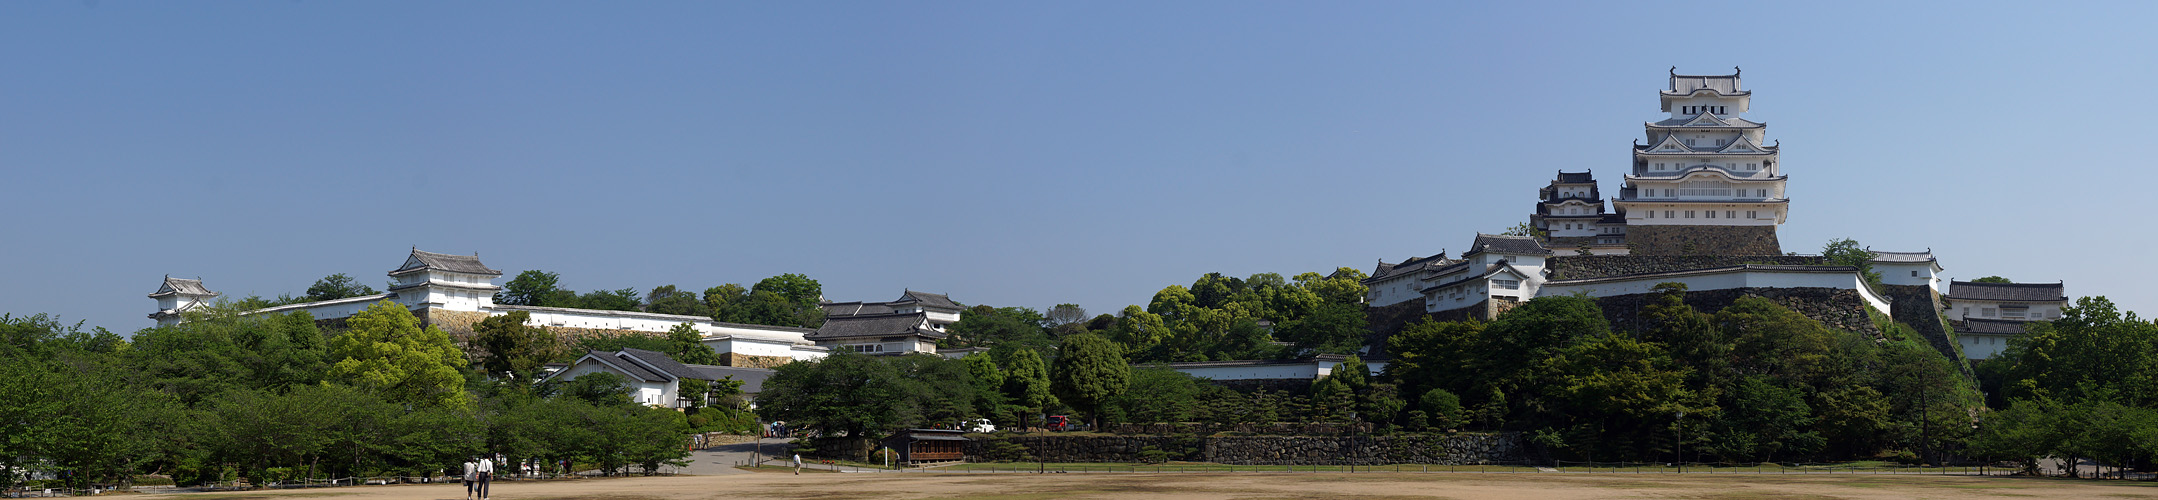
1244	486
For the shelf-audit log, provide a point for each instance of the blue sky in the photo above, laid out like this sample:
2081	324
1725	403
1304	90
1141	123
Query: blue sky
1013	153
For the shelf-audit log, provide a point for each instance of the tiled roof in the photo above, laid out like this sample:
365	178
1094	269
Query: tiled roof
1410	265
1722	84
181	286
422	260
1505	244
1575	178
665	363
875	325
1908	257
1991	326
635	371
752	378
2029	292
855	308
927	299
1729	122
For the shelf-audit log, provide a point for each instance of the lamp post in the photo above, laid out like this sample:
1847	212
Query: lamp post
1681	441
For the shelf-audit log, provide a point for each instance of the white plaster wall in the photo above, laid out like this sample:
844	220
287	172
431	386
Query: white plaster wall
1961	309
1900	273
1394	291
808	353
943	317
1765	214
1724	281
778	348
1983	346
1305	371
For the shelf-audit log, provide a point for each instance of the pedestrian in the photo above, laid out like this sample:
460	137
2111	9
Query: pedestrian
472	470
797	464
487	474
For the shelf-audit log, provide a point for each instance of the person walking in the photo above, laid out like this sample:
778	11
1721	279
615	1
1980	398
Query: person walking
487	474
797	464
472	470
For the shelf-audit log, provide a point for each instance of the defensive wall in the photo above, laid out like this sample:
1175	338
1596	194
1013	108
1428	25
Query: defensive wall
1702	240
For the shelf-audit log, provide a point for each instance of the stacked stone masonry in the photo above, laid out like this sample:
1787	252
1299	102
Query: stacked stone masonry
1702	240
1574	267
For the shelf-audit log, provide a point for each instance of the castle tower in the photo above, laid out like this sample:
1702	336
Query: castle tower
443	281
178	295
1570	212
1705	183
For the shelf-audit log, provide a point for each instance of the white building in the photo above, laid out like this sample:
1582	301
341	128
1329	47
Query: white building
1908	268
1571	214
889	333
938	308
656	379
1704	165
1391	284
1495	269
1986	315
176	296
444	288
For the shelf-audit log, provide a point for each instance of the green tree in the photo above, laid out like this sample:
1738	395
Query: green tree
988	382
1088	371
843	394
796	288
686	345
535	288
337	286
1156	394
1992	279
386	350
625	299
510	347
1847	252
669	300
1335	328
1026	384
997	328
1443	408
1065	314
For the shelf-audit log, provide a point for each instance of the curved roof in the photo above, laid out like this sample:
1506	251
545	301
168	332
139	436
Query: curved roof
182	286
2020	292
1991	326
1496	243
1703	169
1692	84
876	325
430	261
1728	122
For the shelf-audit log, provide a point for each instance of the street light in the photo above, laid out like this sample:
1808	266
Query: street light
1681	441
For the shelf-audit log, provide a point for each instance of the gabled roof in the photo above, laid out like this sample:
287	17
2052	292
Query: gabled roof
1728	122
752	378
1518	245
430	261
1583	177
876	325
2025	292
1669	144
1411	265
926	299
1902	257
1706	120
854	308
1721	84
660	362
1742	145
182	286
1991	326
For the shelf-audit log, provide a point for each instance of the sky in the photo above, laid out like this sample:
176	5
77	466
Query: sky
1014	153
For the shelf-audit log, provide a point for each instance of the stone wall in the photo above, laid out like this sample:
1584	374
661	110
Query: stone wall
1838	308
1703	240
1601	266
1920	307
748	361
1462	448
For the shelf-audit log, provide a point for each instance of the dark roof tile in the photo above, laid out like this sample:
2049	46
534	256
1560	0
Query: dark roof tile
423	260
875	325
2030	292
1991	326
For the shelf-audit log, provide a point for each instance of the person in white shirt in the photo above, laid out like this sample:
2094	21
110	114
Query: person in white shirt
797	464
472	470
487	474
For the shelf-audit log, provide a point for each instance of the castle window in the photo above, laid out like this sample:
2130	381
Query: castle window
1689	214
1751	215
1506	284
1667	214
1652	214
1711	214
1689	142
1763	193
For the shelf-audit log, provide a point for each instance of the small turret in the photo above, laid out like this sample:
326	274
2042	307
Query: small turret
178	295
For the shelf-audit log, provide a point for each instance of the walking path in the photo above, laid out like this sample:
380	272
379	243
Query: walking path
721	459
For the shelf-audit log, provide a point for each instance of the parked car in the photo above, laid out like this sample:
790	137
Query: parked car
978	425
1061	423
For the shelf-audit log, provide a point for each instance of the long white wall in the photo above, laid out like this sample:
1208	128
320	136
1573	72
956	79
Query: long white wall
1722	280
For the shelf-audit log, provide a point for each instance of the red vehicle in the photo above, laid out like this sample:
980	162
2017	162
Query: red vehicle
1061	423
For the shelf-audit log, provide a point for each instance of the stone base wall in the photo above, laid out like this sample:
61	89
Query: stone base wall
1266	450
1602	266
748	361
1838	308
1920	307
1703	240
